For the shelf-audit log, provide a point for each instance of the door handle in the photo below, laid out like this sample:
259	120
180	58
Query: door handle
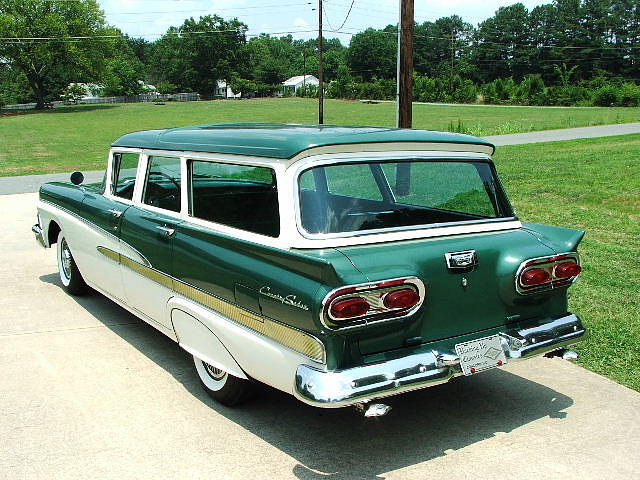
167	230
116	213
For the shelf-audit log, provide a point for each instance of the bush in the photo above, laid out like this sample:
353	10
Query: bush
166	87
608	96
309	90
629	95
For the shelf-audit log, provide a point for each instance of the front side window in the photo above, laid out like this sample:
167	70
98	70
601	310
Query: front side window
162	188
387	195
123	177
238	196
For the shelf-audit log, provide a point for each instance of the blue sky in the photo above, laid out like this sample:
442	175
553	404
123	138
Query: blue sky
151	18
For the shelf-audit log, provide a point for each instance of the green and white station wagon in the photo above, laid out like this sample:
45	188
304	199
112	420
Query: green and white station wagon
338	264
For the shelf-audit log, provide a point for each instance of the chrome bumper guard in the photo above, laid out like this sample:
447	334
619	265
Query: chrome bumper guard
330	389
37	230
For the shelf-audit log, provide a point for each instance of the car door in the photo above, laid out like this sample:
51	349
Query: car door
102	209
146	231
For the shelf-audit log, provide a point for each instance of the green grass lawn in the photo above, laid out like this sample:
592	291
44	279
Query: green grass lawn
593	185
77	138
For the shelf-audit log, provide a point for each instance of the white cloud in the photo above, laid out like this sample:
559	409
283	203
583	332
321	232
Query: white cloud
301	23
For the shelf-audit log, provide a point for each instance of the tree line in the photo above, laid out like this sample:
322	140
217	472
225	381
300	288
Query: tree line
565	52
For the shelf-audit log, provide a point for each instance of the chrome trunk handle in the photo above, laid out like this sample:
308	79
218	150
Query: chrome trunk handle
116	213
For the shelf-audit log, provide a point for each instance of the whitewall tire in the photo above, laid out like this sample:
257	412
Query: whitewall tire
220	385
70	276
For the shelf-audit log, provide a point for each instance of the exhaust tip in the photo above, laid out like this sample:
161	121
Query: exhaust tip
570	355
373	409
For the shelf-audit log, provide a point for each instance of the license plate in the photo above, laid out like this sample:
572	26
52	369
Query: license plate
481	354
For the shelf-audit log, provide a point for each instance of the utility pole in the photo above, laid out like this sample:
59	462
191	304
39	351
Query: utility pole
453	47
404	88
320	67
405	65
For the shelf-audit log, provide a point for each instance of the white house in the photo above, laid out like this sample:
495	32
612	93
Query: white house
294	83
224	91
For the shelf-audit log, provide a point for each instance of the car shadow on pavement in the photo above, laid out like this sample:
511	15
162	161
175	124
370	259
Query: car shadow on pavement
340	443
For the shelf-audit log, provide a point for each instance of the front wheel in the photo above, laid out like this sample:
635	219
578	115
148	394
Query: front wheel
70	276
220	385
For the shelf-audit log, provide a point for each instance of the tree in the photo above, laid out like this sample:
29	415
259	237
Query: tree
372	53
503	44
49	65
197	54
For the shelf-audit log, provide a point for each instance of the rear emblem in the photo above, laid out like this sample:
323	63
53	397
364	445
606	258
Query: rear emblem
461	260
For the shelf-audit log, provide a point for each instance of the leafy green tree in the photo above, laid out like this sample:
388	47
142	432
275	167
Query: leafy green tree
50	64
373	53
197	54
123	77
503	44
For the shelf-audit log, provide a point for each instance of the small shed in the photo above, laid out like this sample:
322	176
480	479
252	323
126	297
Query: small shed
292	85
224	91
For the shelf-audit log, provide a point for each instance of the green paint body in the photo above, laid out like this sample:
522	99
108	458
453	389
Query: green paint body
458	306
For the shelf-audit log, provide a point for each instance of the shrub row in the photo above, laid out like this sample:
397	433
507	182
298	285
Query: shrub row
530	91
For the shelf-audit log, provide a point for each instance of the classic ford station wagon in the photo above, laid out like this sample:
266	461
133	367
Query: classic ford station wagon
338	264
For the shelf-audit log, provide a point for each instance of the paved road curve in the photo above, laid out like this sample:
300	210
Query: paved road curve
31	183
89	391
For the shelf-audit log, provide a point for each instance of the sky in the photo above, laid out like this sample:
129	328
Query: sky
151	18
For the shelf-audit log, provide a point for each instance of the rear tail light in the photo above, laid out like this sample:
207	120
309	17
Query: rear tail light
567	269
404	298
545	273
367	303
349	308
535	276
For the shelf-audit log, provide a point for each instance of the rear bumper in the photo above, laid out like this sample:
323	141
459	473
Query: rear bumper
340	388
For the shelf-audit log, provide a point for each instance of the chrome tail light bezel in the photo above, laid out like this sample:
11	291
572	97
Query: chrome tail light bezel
547	263
374	293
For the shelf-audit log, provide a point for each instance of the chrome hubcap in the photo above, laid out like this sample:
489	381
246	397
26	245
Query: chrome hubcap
214	372
65	259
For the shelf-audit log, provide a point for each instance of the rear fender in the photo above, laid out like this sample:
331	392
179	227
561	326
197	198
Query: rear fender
196	338
559	239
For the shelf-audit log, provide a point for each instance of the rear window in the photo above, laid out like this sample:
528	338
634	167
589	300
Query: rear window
388	195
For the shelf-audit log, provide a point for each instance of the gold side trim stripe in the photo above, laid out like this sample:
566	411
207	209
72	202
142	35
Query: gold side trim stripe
297	340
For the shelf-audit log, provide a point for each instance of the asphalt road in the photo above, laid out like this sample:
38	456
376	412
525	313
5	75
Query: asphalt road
31	183
89	391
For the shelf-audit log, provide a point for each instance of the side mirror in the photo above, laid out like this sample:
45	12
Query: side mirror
77	178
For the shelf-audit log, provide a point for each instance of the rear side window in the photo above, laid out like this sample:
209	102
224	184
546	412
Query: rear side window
162	188
123	179
238	196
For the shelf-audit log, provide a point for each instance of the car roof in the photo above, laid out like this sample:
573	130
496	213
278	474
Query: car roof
282	141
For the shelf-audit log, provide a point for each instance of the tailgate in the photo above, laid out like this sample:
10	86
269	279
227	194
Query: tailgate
457	302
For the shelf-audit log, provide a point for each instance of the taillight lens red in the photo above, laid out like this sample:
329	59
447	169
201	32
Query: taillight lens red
405	298
567	270
535	276
349	308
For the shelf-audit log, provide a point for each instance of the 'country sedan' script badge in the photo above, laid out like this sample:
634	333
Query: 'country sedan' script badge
284	299
461	260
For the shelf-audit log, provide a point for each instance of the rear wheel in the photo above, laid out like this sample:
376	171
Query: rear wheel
220	385
70	276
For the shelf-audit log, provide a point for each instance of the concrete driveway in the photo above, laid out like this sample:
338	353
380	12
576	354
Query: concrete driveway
89	391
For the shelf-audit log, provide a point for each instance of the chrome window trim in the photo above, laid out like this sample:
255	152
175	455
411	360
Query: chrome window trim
363	322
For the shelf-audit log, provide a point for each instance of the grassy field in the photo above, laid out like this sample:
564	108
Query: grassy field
77	138
593	185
